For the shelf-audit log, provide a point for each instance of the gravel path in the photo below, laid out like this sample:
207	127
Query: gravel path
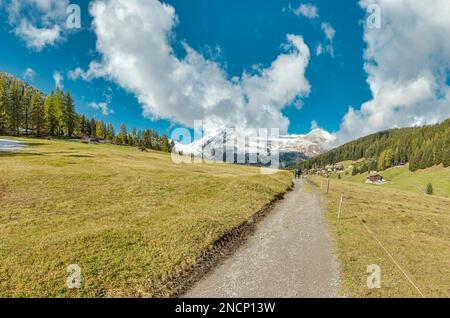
290	255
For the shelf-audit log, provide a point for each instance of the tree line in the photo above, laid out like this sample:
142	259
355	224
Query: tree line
25	110
421	147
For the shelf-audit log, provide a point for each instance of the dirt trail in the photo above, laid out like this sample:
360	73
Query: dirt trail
289	255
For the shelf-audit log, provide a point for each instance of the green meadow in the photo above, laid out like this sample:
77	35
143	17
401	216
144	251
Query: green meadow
402	179
410	225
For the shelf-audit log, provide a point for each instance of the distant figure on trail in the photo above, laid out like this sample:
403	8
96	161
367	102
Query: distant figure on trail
298	174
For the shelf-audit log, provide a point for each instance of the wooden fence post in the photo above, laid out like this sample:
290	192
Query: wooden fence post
340	206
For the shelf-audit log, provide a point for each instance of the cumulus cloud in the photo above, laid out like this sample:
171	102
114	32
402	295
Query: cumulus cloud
135	38
29	74
329	31
39	23
103	107
310	11
307	10
407	62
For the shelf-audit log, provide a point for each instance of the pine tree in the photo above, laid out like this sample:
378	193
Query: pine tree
59	111
427	156
3	106
446	157
93	126
88	127
14	110
27	110
37	113
69	114
50	114
82	125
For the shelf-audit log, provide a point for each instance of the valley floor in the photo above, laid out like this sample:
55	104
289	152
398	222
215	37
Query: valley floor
130	221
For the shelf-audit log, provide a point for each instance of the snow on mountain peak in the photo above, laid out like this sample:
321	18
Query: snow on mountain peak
294	147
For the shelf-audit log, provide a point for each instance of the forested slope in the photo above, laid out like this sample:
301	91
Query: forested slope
25	110
421	147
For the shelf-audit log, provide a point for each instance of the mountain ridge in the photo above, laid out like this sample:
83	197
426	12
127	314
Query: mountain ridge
290	147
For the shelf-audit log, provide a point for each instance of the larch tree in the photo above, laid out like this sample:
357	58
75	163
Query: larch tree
59	111
38	113
14	109
100	130
3	106
50	114
93	127
27	110
123	134
69	114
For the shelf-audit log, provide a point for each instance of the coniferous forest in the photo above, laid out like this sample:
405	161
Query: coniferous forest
27	111
421	147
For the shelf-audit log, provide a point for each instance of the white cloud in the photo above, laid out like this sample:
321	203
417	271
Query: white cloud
327	46
29	74
319	49
59	79
314	125
104	107
134	38
307	10
37	38
407	62
329	31
39	23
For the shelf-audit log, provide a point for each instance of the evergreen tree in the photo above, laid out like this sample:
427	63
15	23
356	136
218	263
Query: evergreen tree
27	110
37	113
123	139
59	111
430	189
82	125
88	127
100	130
110	134
14	110
93	128
446	157
165	145
50	115
69	114
3	106
427	156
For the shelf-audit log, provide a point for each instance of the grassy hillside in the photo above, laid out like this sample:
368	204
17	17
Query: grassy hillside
421	147
402	178
413	227
128	219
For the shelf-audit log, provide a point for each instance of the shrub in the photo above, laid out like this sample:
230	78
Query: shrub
430	189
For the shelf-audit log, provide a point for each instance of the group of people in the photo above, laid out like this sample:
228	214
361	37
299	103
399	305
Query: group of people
298	173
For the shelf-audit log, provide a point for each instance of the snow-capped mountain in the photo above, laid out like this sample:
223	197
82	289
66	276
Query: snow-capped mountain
291	148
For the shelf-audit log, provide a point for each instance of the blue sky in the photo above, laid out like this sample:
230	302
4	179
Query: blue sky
237	35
